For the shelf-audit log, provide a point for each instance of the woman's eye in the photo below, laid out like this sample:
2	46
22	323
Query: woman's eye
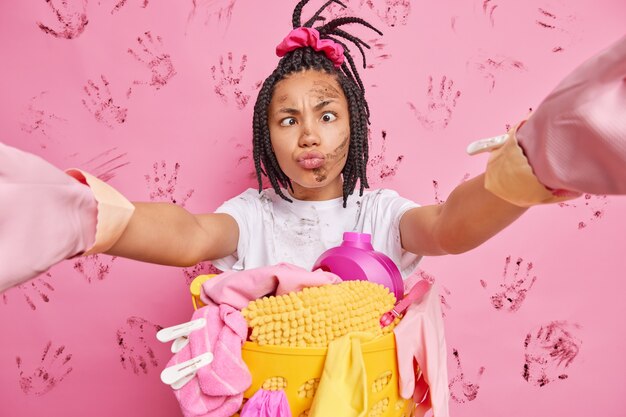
288	121
329	117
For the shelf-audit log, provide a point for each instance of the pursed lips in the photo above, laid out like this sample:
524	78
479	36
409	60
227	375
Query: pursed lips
311	160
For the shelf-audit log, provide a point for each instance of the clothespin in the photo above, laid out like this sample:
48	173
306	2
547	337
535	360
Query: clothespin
179	333
176	376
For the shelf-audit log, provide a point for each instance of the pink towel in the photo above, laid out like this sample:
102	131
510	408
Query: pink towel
237	289
217	389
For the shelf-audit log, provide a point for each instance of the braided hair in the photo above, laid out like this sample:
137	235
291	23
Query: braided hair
306	58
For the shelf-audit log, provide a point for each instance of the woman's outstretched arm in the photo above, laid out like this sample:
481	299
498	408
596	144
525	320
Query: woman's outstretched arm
470	216
167	234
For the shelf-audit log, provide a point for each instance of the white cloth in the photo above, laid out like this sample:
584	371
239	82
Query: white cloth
272	230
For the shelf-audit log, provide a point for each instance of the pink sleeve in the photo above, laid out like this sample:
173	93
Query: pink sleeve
576	138
45	216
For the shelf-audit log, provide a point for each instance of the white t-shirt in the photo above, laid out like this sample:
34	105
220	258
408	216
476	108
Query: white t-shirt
272	230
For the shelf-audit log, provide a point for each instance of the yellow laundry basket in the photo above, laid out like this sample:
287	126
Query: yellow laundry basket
298	370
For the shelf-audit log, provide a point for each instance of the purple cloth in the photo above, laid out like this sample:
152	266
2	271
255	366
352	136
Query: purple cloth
267	404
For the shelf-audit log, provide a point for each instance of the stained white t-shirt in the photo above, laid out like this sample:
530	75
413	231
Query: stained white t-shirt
272	230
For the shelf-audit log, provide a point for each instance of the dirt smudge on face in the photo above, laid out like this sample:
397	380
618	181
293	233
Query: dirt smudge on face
325	90
332	159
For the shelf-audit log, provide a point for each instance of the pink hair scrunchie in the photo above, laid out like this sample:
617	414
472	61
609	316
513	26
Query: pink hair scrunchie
301	37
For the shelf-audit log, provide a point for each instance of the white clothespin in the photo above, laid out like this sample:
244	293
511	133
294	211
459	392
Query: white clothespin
176	376
486	145
179	333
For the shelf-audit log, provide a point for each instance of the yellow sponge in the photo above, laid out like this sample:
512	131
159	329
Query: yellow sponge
315	316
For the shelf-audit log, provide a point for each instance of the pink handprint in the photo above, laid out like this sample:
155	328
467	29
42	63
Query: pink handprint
162	185
53	367
122	3
132	340
594	205
71	19
159	63
513	291
228	82
377	166
549	351
203	268
94	267
101	103
439	107
460	389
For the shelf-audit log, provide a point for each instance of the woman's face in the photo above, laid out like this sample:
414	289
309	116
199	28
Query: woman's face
309	126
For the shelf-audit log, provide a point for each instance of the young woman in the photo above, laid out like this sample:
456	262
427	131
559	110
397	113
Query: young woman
310	131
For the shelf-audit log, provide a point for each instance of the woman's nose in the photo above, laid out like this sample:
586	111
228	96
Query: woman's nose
309	137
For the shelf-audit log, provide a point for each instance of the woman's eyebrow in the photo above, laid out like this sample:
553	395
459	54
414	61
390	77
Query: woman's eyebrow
318	106
323	104
288	110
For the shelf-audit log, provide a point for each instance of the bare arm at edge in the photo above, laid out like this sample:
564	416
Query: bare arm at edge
167	234
470	216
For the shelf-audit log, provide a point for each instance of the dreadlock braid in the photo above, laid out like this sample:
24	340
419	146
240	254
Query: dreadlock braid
306	58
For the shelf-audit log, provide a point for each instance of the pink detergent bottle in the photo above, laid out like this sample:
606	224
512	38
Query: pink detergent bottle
356	259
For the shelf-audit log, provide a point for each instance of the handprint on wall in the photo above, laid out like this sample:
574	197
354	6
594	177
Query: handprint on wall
134	339
378	168
489	67
221	10
228	81
462	390
121	3
549	351
152	57
489	8
94	267
438	199
391	12
71	18
52	368
162	184
335	11
203	268
512	291
439	106
594	206
106	164
38	120
554	18
99	102
34	292
380	55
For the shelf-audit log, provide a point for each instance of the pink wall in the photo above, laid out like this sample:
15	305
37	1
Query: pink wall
173	123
